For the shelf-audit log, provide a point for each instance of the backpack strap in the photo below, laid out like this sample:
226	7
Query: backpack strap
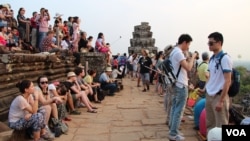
201	64
219	63
179	69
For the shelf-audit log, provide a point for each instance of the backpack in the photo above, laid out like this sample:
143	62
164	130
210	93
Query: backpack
122	60
168	69
235	79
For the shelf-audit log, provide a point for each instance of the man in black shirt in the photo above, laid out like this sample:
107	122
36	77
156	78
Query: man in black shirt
145	63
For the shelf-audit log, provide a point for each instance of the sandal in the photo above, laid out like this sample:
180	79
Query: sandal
92	111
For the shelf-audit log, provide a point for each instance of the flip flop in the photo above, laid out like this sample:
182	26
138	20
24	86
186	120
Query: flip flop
92	111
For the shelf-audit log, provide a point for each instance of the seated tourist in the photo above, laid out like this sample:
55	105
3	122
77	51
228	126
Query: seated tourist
24	113
95	85
46	101
47	44
80	73
75	91
116	72
107	83
58	89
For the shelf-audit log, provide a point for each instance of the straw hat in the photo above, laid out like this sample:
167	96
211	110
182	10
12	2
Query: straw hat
6	6
108	69
146	51
58	15
152	55
71	74
168	49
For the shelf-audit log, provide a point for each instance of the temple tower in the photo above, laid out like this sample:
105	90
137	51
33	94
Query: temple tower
142	39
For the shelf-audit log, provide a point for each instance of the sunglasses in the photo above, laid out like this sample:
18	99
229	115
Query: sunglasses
210	43
44	82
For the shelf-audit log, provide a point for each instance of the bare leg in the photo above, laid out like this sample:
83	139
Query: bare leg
54	110
85	100
70	102
36	135
47	113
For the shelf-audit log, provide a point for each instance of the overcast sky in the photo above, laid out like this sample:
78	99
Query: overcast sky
167	18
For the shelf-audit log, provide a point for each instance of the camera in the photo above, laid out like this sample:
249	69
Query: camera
46	10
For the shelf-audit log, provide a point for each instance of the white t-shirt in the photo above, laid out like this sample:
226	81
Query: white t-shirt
17	108
50	88
216	78
115	73
176	57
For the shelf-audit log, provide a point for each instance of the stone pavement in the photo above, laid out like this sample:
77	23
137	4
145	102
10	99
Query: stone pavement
130	115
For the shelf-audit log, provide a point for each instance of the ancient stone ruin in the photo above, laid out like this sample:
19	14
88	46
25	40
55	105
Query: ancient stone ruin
19	66
142	39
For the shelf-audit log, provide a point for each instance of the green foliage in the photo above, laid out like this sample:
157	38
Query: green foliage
245	80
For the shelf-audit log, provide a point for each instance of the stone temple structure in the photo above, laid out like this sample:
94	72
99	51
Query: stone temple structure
142	39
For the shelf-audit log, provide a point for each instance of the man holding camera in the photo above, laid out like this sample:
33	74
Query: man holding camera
43	20
180	88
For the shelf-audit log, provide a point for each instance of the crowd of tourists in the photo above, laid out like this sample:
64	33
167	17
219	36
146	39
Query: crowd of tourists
36	105
36	35
209	84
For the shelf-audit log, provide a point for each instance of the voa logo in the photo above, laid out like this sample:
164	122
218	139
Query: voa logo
236	132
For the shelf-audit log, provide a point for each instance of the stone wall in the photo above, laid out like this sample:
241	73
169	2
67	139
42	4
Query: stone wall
16	67
95	61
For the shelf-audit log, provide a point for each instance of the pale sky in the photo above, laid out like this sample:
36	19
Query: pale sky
168	20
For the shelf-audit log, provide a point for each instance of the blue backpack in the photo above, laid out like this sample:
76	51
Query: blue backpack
122	60
235	79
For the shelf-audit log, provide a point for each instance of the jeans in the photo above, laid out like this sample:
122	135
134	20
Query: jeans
111	87
168	101
178	102
41	36
145	78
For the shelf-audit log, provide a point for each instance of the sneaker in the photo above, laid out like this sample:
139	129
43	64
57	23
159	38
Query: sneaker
179	133
176	138
48	136
75	112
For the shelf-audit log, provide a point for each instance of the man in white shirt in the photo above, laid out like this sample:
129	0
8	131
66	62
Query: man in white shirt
181	65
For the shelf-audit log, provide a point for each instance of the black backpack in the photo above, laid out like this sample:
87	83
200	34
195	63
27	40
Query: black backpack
235	79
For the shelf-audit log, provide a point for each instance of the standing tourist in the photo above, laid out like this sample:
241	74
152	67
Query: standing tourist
181	65
217	86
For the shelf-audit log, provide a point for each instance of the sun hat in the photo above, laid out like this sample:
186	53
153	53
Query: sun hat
108	69
146	51
152	55
168	49
214	134
58	15
71	74
6	6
